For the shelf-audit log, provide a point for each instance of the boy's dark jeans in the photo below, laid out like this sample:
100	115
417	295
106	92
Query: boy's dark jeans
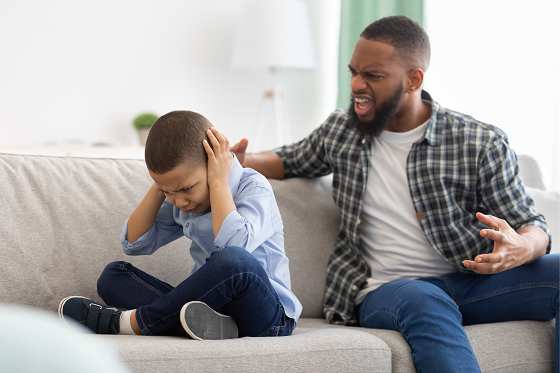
231	282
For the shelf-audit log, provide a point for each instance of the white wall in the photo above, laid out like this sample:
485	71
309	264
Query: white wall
499	61
81	71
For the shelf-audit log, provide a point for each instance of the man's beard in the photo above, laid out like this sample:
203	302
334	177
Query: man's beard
381	117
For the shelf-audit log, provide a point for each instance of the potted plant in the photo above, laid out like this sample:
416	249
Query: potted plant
143	123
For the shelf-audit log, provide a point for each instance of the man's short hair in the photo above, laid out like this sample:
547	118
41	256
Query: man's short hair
176	139
407	37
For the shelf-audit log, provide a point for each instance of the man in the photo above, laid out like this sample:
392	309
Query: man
417	186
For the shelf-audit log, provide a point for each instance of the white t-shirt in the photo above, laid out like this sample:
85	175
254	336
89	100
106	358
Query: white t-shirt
392	241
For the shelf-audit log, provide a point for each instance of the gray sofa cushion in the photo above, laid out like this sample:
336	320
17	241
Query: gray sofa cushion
60	224
530	172
307	350
311	223
506	347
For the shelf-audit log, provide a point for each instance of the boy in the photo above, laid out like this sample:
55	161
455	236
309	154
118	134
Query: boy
240	283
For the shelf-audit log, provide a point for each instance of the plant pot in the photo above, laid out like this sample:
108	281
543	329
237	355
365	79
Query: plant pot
143	135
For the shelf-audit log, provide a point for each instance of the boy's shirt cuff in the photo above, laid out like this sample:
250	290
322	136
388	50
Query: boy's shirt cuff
230	226
130	248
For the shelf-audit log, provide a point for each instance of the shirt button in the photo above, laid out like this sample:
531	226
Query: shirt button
354	287
359	221
187	225
363	141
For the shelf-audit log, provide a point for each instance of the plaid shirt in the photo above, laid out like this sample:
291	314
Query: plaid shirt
460	166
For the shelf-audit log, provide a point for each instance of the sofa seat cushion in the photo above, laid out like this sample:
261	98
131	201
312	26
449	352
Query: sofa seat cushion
307	350
505	347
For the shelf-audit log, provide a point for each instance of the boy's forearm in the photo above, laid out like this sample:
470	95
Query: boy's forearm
222	204
144	216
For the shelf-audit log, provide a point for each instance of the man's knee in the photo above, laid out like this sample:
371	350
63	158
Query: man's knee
421	297
546	269
404	304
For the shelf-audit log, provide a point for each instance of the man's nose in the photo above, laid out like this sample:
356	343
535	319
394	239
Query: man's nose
357	83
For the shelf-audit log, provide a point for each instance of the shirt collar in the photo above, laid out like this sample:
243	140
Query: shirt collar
433	134
235	176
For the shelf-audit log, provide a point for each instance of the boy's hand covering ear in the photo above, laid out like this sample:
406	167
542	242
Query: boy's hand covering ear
220	160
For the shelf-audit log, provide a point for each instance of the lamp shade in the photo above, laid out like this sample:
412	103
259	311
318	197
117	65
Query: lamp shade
273	34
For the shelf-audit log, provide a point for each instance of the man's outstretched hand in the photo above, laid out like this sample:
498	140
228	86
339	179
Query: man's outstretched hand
510	248
239	150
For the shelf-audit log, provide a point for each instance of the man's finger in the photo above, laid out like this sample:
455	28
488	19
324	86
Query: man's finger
481	268
489	258
493	235
241	146
490	220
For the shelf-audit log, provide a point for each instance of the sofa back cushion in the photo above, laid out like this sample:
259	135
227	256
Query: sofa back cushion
61	219
60	225
311	222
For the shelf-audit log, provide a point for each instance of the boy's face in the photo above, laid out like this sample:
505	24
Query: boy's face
185	188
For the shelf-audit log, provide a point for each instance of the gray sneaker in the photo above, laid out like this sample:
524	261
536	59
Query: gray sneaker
202	322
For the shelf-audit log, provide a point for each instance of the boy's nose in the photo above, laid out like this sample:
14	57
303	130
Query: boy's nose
182	202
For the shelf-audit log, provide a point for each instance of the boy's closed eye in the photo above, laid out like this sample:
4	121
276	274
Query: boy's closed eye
184	189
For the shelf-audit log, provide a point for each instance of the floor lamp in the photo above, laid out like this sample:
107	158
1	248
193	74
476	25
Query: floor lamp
273	36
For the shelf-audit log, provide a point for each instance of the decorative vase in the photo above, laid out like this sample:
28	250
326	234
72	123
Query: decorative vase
143	135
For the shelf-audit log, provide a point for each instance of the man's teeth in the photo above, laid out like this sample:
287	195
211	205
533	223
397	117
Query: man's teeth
360	101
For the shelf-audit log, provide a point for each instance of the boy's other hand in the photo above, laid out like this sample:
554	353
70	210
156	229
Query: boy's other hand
239	150
220	160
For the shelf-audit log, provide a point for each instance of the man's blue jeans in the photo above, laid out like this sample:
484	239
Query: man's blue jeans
231	282
430	312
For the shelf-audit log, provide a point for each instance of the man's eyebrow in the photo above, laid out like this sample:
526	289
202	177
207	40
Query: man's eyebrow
368	71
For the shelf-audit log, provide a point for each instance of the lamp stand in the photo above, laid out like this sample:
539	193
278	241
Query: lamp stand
276	97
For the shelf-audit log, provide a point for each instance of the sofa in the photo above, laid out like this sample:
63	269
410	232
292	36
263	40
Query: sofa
60	223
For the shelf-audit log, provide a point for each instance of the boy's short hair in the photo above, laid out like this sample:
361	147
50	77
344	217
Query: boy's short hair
176	139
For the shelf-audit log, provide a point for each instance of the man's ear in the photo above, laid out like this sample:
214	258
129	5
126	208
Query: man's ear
415	80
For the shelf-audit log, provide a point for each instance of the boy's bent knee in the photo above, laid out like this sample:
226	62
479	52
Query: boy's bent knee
106	279
112	268
236	258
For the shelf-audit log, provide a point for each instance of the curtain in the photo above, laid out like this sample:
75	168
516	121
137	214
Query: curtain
355	16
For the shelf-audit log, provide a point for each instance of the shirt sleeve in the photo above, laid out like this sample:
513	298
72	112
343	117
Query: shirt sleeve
251	224
502	191
164	231
308	157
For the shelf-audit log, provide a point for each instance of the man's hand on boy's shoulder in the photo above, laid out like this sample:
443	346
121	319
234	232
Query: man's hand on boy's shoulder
240	149
220	160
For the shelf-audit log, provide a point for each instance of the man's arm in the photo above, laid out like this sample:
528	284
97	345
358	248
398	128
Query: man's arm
266	163
511	248
144	216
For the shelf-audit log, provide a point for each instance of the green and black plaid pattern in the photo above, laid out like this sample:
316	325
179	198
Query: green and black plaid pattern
461	166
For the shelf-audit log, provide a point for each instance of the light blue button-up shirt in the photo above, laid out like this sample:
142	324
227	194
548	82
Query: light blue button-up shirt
256	225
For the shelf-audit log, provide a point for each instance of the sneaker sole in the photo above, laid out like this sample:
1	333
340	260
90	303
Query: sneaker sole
61	306
201	322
